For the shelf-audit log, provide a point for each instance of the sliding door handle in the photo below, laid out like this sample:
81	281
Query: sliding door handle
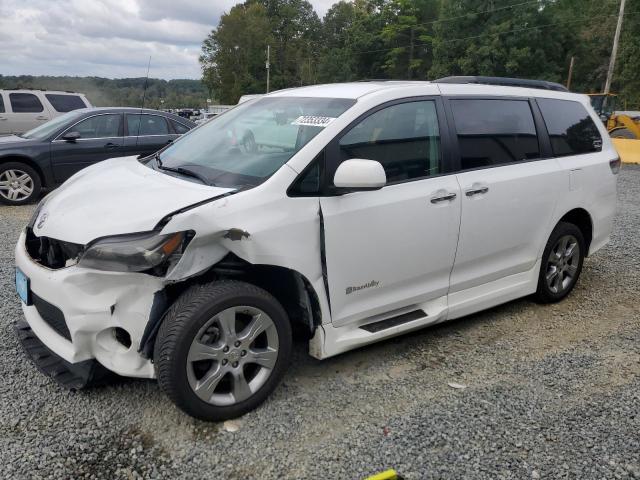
476	191
444	198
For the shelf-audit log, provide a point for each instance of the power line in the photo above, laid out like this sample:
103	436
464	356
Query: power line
448	19
506	7
564	22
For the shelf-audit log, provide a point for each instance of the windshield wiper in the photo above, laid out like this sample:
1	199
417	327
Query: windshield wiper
183	171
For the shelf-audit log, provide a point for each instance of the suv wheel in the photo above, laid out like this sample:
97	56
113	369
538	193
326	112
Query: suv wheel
561	263
19	183
222	348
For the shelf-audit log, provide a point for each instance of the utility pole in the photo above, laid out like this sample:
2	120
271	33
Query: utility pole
409	68
268	65
570	72
614	50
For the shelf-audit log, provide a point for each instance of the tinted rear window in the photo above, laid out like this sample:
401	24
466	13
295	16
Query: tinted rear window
25	103
571	129
494	132
1	104
65	103
146	125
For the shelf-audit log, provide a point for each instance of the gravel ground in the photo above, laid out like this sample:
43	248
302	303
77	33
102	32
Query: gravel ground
551	392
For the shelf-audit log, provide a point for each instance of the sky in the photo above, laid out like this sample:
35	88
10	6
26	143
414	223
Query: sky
109	38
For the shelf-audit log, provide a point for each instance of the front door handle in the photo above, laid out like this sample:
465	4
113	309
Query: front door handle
40	117
476	191
111	145
444	198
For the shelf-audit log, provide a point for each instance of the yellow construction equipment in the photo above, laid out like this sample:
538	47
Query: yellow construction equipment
623	127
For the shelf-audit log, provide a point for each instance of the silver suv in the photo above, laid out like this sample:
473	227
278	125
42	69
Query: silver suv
23	110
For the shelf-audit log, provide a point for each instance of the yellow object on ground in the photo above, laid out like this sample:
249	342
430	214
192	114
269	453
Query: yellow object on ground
386	475
628	149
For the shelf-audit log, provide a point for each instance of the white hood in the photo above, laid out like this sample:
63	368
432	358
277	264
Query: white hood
114	197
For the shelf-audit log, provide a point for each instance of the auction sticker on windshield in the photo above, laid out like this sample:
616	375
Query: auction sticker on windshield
312	121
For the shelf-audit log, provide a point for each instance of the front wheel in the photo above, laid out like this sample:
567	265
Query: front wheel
222	349
19	183
561	263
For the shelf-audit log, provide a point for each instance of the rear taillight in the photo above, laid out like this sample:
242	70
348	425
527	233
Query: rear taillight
615	165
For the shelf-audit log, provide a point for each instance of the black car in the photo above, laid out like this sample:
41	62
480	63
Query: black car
49	154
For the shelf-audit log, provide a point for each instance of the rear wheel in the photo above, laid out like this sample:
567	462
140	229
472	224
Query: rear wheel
561	263
19	183
222	349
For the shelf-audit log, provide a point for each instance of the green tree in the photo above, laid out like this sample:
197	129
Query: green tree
420	39
627	74
481	37
295	28
408	30
123	92
233	55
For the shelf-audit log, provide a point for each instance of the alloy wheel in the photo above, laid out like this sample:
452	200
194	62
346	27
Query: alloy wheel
232	355
15	185
562	264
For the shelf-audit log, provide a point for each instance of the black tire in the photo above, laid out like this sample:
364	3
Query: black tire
34	178
182	323
545	293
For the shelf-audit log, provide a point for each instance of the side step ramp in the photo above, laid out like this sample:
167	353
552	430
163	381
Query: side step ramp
332	340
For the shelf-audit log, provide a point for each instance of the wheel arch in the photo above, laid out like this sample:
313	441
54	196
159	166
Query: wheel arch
27	161
289	287
581	219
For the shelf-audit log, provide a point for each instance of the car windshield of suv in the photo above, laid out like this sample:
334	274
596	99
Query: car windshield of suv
247	144
46	129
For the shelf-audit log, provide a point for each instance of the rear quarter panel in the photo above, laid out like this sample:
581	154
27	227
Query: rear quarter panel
591	185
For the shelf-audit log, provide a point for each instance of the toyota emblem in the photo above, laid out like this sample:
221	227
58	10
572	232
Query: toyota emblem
43	218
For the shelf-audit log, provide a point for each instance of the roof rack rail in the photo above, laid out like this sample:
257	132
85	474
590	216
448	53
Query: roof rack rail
38	89
505	82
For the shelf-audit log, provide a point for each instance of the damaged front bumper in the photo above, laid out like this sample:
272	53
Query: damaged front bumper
81	314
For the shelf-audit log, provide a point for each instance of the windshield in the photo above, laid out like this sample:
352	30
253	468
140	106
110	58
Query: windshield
247	144
46	129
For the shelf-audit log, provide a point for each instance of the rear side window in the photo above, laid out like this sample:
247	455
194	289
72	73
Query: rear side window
571	129
404	138
1	104
64	103
25	103
146	125
179	128
494	132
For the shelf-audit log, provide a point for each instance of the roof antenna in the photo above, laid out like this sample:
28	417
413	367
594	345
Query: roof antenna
144	96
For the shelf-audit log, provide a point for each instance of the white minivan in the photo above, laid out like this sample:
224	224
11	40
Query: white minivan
24	110
396	206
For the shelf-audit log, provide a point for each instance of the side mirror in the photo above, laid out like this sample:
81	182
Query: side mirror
71	136
360	175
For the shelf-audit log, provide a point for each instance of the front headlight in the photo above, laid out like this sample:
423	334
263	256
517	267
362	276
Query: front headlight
132	253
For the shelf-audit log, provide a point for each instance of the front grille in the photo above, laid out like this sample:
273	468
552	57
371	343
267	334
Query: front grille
52	315
50	252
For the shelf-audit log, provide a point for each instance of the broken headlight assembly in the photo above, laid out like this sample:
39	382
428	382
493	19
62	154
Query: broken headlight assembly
139	252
